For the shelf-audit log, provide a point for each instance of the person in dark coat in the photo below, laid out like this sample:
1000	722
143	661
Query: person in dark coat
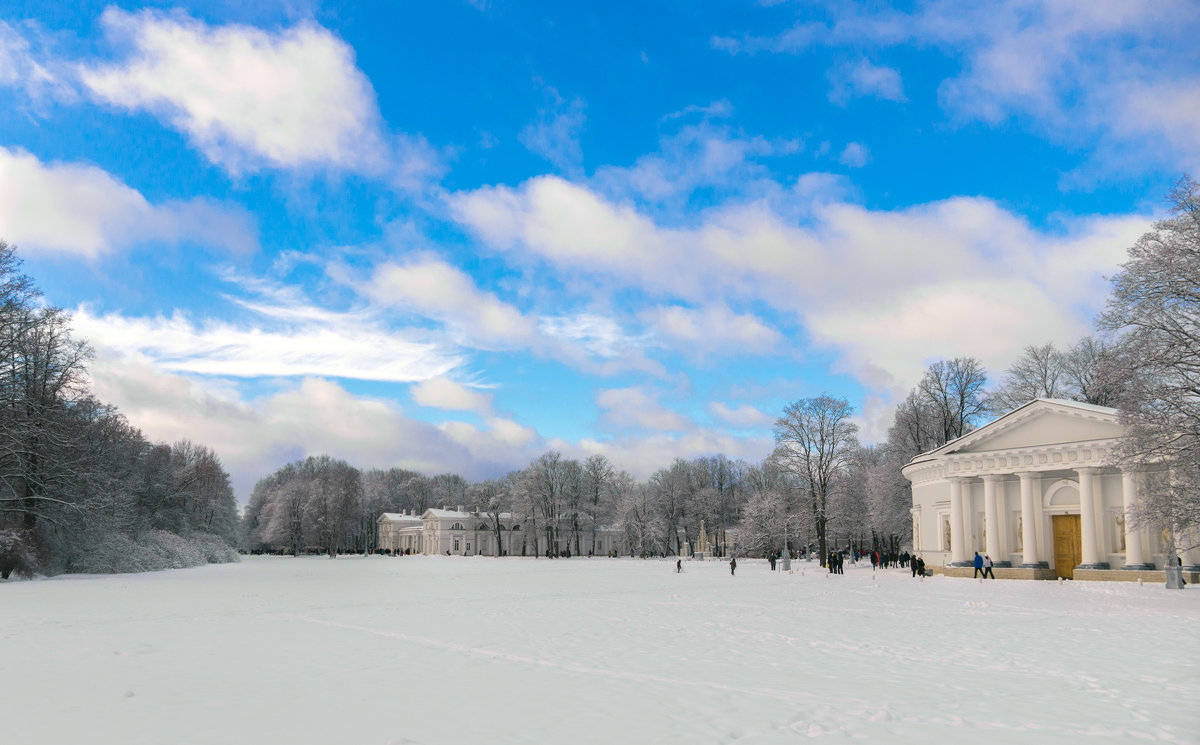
913	563
678	566
920	566
732	566
771	561
978	565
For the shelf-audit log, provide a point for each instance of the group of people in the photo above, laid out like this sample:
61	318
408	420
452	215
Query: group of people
918	566
836	562
983	565
884	560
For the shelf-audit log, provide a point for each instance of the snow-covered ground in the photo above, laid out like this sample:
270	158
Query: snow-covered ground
472	650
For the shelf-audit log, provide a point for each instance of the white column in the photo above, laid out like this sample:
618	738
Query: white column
1087	518
992	518
968	518
958	544
1133	536
1028	522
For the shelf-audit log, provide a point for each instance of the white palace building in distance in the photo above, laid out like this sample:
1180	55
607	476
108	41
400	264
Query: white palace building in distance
461	532
1037	492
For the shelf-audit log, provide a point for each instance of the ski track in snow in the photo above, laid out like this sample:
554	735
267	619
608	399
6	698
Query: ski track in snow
433	650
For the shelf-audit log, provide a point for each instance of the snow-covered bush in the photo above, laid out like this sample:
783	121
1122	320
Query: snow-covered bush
18	552
214	549
112	553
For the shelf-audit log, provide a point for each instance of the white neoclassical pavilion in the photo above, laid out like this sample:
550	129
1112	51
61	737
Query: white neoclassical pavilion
1036	491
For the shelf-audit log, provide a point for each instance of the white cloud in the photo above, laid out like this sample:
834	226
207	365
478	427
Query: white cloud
638	408
246	97
503	441
312	416
742	417
434	288
79	209
884	288
309	417
443	393
642	456
861	78
711	329
855	155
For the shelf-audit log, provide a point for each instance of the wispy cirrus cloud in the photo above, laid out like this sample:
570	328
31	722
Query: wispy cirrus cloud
279	333
554	135
40	77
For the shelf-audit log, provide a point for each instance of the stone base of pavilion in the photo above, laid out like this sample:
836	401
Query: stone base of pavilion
1149	576
1127	575
1000	572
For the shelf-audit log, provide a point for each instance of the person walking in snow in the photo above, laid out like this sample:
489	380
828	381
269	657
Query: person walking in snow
978	565
732	566
678	566
987	567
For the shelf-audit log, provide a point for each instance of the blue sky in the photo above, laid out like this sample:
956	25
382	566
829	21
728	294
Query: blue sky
450	236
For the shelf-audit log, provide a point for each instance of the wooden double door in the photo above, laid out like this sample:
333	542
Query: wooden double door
1068	548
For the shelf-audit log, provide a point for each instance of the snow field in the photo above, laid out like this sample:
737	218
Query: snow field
440	650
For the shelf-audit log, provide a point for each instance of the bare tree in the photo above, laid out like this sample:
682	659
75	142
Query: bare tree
1040	372
815	441
954	391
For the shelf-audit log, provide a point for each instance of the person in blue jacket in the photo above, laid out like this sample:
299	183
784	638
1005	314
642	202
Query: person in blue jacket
978	564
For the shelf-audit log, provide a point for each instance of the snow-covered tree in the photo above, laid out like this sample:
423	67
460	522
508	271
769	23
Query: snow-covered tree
1154	312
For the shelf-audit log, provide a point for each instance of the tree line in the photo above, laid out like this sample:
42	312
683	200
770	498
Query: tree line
81	489
821	487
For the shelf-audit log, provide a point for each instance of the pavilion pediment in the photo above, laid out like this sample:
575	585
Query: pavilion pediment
1041	424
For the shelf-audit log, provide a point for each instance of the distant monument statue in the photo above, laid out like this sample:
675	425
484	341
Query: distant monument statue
702	547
